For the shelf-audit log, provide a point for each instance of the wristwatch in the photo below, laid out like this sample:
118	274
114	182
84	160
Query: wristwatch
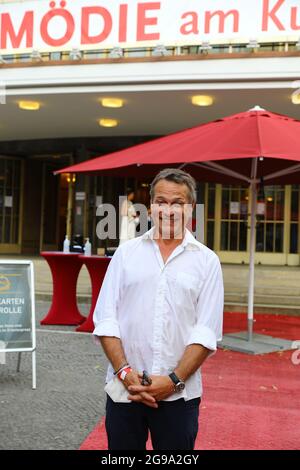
179	385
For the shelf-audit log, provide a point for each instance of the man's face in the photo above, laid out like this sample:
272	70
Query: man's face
170	208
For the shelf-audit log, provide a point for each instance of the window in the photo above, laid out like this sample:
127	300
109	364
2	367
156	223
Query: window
270	225
234	218
294	226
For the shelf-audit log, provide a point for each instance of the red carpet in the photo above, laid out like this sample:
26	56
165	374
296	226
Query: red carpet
249	402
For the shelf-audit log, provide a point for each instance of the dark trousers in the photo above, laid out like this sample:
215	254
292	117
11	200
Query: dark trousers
173	425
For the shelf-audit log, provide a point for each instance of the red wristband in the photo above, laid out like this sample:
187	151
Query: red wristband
122	374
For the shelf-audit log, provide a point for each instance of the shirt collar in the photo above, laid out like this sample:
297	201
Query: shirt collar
189	242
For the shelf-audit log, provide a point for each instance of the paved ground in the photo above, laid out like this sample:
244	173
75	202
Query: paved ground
69	399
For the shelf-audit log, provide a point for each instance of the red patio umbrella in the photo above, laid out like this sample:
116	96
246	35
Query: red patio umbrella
235	140
244	147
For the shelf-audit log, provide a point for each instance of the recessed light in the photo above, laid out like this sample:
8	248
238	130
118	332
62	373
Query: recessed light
202	100
108	122
296	98
29	105
112	102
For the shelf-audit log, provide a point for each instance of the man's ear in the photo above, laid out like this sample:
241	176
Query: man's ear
192	206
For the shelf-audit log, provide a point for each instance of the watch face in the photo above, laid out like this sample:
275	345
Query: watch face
180	386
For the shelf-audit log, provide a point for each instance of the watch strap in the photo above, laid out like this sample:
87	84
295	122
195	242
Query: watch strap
174	378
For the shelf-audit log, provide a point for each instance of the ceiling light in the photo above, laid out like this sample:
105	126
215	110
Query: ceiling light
202	100
29	105
112	102
108	122
295	98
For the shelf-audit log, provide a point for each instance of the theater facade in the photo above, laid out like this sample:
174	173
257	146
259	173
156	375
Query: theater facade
84	78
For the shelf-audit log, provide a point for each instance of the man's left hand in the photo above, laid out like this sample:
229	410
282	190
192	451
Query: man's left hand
161	388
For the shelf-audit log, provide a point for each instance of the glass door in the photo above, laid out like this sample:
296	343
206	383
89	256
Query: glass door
10	204
294	229
227	223
234	215
50	210
270	224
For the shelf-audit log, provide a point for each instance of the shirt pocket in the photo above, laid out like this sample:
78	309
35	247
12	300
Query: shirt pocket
187	287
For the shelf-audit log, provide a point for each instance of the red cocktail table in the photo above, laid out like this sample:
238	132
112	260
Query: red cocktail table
96	266
65	269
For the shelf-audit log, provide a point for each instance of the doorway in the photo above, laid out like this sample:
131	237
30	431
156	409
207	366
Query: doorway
11	184
53	208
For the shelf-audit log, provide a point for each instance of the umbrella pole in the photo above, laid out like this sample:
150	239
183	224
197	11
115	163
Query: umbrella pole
253	192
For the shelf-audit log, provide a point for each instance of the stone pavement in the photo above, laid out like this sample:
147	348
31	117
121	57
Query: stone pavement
69	399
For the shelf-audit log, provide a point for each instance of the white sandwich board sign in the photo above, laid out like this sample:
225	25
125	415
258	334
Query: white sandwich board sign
17	310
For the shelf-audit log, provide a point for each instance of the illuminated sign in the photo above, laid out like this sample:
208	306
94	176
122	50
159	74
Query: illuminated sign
93	24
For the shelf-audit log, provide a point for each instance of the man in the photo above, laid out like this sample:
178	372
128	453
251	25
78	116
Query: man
160	309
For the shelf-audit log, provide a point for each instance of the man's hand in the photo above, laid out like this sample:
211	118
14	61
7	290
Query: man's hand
133	379
162	387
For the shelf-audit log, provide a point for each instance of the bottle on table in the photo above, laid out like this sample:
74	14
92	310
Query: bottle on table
66	248
88	248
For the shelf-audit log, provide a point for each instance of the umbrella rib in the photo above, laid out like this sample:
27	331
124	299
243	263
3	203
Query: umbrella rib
287	171
222	169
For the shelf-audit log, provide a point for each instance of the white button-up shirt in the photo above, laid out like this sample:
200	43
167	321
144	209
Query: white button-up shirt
157	309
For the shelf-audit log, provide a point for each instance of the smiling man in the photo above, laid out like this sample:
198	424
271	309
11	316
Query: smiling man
160	310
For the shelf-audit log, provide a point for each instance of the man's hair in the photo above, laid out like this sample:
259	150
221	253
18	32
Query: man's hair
176	176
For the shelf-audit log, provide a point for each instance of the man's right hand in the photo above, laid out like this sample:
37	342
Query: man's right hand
133	378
